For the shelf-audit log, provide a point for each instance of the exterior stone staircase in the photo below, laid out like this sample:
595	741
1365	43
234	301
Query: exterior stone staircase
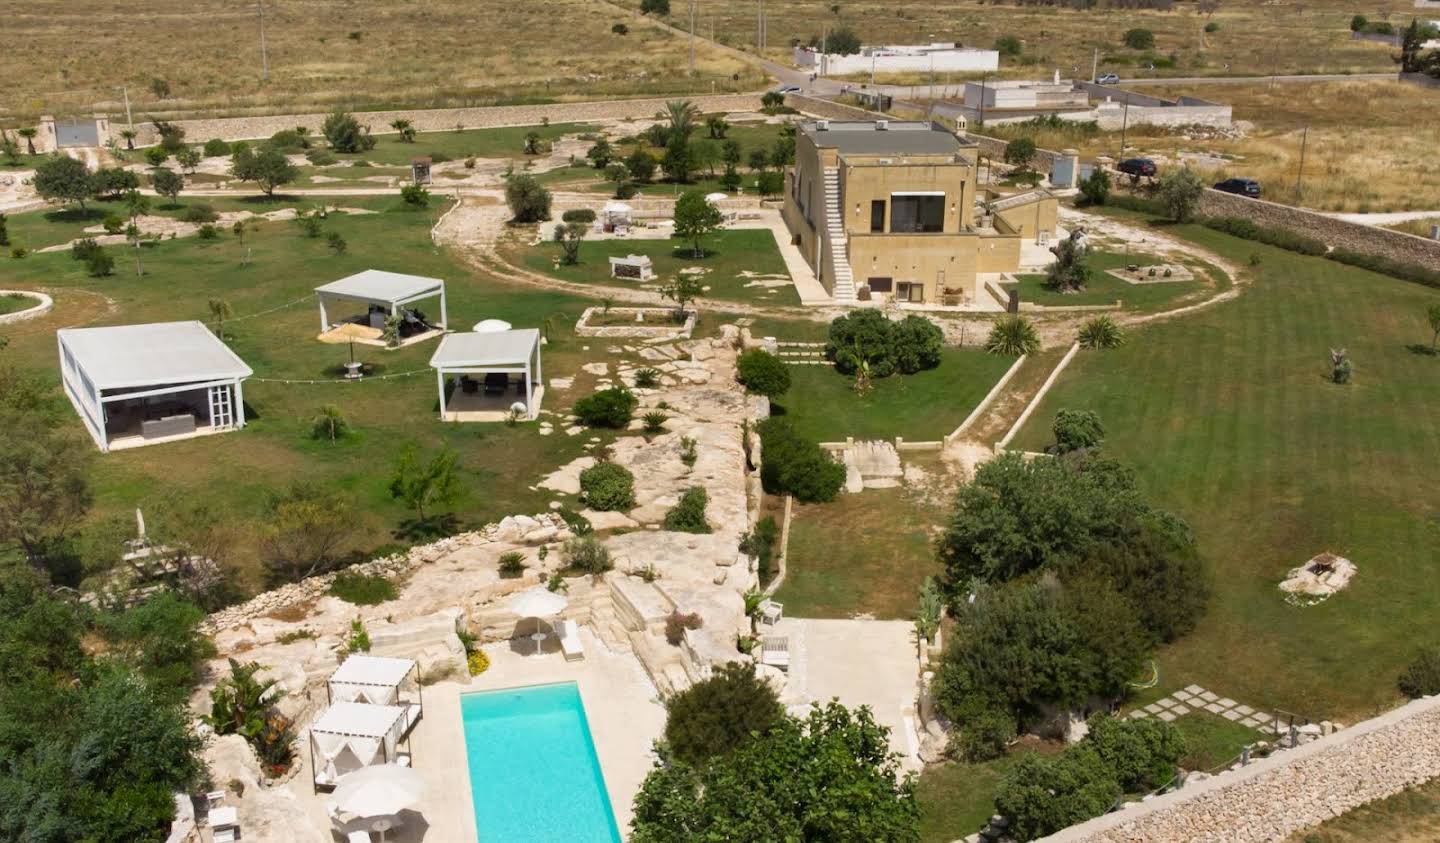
835	235
637	617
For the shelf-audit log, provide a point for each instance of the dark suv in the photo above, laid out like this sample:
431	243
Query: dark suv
1240	187
1136	167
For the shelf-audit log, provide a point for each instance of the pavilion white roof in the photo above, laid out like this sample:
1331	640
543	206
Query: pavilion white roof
478	350
377	285
361	720
373	670
151	355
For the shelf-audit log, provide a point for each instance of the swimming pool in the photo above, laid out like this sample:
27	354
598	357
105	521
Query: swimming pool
534	775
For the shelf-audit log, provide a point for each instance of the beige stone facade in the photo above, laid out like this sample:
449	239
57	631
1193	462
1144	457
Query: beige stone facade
886	211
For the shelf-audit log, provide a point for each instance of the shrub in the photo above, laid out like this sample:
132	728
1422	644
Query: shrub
1179	192
199	212
113	224
770	183
867	337
362	589
715	715
1278	237
578	215
687	451
1043	795
329	424
762	373
984	735
608	487
1008	46
619	29
586	553
208	231
320	157
1358	22
336	242
688	515
1141	752
647	378
1212	27
415	195
156	156
792	465
288	140
512	564
1076	429
99	263
654	421
578	524
610	408
1139	39
677	623
1095	188
1101	332
528	200
345	134
1422	677
1405	271
216	148
1013	336
760	543
477	662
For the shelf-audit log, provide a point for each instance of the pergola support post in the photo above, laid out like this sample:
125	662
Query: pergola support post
324	317
440	384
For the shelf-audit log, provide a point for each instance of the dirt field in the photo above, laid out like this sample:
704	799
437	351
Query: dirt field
1254	36
1364	151
66	58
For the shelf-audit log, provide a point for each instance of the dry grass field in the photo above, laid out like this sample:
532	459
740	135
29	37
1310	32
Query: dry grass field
1254	36
70	57
1366	150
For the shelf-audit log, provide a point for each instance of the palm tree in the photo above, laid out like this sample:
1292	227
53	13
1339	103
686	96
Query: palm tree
28	133
1012	336
682	116
129	136
406	130
220	310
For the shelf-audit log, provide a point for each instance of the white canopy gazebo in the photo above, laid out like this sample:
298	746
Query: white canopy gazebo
385	294
141	384
496	355
378	680
352	735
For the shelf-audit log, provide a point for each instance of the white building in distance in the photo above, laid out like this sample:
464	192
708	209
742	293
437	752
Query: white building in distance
923	58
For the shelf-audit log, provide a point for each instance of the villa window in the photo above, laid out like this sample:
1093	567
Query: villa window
911	291
877	216
917	213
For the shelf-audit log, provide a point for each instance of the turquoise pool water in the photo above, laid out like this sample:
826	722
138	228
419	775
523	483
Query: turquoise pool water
534	775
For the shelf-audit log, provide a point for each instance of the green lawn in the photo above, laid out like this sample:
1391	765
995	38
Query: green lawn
1105	288
38	229
864	553
1230	421
235	473
957	799
735	259
13	303
1211	740
924	406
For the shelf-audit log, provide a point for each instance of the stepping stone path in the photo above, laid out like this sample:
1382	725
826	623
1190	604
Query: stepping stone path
802	353
1194	697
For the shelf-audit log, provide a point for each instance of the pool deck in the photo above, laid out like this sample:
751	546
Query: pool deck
621	706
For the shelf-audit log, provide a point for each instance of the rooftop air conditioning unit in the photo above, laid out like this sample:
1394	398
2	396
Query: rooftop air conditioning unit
822	125
882	125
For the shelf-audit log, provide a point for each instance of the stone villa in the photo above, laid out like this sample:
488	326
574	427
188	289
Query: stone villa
886	210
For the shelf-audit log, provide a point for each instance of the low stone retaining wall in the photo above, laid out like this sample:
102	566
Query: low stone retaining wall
1337	233
1277	796
43	304
446	119
640	330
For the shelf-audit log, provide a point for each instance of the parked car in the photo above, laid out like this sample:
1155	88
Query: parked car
788	89
1109	79
1241	187
1136	167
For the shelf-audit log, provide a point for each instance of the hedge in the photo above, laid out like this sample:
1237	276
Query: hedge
1279	237
578	215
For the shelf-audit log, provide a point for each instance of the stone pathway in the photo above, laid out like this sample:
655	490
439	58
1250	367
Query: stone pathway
1196	698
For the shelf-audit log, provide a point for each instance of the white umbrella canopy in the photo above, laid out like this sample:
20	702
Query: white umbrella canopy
491	326
716	197
379	790
538	603
616	208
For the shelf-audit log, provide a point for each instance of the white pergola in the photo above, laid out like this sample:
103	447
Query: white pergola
390	290
138	384
350	735
379	680
475	353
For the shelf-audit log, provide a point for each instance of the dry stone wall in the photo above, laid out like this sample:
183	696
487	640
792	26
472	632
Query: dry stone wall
446	119
1272	798
1337	233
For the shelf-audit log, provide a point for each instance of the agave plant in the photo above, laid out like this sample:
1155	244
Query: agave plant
1013	336
1102	332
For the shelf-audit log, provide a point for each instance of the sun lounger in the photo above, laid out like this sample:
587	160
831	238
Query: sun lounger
775	651
359	835
570	641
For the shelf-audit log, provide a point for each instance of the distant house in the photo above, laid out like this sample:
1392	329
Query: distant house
886	210
944	57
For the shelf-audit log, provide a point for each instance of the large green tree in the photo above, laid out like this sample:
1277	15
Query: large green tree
44	471
65	179
715	716
695	219
529	201
268	168
829	777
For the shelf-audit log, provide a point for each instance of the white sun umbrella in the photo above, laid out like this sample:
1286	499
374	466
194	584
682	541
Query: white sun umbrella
716	197
538	602
491	326
382	790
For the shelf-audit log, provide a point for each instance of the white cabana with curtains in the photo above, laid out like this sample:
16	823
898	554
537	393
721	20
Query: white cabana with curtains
384	294
483	365
378	680
352	735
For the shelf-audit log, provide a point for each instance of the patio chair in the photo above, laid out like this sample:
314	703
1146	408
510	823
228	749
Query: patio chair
570	641
496	382
771	612
775	651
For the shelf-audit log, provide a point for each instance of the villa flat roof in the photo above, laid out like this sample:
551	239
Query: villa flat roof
152	354
897	138
478	350
378	285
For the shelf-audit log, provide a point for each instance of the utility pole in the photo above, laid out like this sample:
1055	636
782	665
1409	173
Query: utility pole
983	80
1300	176
129	121
692	37
1124	124
264	58
1095	65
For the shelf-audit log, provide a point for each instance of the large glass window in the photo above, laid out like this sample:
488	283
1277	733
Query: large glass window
917	213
